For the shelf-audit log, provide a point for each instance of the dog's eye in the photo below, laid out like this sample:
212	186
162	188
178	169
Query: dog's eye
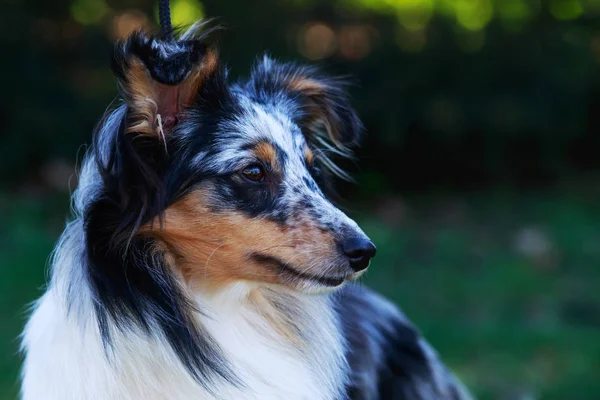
254	173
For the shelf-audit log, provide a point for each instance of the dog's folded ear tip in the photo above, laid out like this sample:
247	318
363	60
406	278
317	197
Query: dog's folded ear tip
323	105
170	70
161	76
169	61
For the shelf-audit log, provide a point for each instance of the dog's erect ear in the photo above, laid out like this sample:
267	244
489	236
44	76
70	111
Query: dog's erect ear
159	78
323	105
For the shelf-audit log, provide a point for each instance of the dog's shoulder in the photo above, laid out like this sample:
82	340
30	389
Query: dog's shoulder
388	357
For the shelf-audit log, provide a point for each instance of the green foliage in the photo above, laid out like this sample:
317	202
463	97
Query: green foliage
28	229
499	90
504	286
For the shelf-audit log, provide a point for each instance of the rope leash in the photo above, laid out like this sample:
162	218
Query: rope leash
164	16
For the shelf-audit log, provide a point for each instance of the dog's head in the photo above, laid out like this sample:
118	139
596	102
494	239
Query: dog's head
198	183
227	179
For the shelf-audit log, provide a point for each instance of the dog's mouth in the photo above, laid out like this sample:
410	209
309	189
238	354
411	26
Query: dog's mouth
281	267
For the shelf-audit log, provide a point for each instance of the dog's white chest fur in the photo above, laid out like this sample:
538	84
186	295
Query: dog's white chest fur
66	360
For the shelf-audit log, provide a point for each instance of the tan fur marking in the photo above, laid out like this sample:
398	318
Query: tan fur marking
141	92
310	87
147	97
266	152
214	248
309	156
191	86
314	91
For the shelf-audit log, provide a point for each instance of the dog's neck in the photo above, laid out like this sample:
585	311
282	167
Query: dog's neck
277	338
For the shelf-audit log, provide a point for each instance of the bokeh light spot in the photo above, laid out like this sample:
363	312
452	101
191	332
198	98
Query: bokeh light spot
128	21
184	12
354	42
316	41
474	15
414	15
88	12
564	10
515	13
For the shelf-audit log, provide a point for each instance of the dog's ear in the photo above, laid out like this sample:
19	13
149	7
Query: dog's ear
158	79
322	102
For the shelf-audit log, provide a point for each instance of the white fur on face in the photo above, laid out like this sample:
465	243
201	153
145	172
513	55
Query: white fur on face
259	123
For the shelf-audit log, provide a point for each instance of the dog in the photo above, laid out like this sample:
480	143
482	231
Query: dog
205	260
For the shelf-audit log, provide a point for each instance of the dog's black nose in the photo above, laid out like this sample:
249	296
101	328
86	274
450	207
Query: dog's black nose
359	251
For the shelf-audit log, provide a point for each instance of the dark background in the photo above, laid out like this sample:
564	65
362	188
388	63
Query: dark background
478	180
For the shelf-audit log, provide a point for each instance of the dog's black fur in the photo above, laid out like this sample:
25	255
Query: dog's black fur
139	176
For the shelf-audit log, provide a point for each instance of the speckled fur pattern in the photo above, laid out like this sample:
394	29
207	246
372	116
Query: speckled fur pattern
180	277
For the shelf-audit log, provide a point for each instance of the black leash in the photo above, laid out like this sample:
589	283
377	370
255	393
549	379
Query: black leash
164	16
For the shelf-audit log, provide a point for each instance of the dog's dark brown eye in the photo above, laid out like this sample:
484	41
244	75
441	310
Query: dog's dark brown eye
254	173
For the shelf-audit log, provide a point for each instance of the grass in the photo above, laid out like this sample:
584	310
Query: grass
505	286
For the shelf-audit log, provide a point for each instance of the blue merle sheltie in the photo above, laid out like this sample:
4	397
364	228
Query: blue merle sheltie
205	260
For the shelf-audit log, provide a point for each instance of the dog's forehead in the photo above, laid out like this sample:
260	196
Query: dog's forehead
248	126
263	123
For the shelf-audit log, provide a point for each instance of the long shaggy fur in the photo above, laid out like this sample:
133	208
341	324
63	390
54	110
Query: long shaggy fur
204	260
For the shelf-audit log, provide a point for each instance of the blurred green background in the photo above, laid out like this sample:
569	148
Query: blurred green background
479	179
